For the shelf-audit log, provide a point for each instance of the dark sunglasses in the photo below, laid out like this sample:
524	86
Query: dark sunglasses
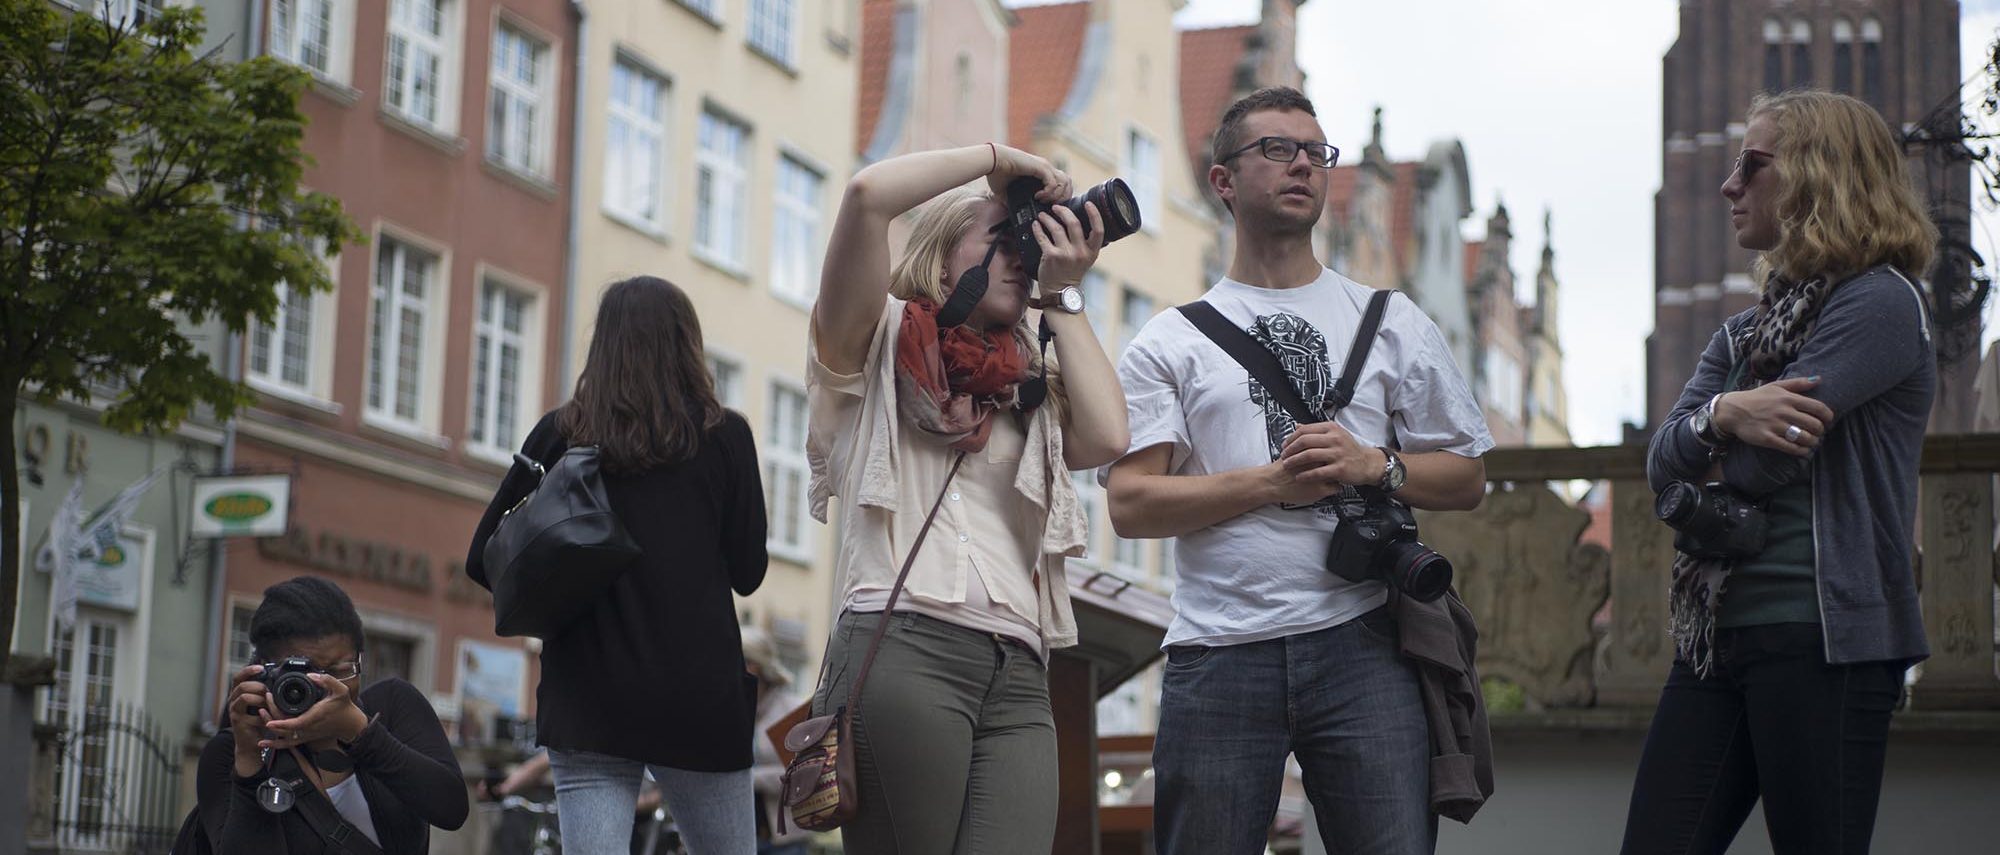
1750	161
1283	150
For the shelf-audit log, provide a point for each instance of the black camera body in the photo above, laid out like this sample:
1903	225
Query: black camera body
1377	540
1713	521
291	691
1114	201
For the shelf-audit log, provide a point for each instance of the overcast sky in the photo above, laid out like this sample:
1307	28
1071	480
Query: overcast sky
1558	105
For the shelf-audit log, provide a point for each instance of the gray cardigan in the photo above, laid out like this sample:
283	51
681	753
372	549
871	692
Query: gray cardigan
1873	356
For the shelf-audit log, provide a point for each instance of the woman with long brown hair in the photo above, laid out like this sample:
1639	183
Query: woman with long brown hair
1808	411
954	737
652	679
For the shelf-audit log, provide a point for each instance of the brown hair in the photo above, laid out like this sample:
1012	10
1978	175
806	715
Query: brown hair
1846	202
645	397
1267	98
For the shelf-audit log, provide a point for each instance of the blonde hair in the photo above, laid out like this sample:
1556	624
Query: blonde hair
1846	202
940	224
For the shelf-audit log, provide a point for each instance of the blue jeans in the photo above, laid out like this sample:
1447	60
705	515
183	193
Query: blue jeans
1341	699
596	794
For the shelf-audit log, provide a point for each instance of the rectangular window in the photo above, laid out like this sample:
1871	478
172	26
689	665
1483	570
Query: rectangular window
770	29
400	310
1871	74
727	376
636	145
387	656
721	180
786	473
516	121
303	32
281	351
795	233
1774	67
1097	303
1138	310
123	11
1142	174
1843	66
416	57
1091	498
1128	557
1802	70
710	9
500	341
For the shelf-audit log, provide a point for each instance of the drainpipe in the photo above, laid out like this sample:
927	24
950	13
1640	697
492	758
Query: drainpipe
567	378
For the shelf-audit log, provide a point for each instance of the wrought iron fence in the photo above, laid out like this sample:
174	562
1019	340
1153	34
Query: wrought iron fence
115	782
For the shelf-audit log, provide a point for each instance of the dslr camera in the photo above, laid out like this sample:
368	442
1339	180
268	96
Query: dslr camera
1712	522
1377	539
291	691
1114	200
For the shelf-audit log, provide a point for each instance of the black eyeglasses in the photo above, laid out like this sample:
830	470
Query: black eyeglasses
1283	150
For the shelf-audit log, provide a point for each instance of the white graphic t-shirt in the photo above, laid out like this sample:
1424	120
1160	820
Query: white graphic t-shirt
1262	575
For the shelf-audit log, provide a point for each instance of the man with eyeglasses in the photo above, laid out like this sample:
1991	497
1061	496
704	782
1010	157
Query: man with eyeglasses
1269	653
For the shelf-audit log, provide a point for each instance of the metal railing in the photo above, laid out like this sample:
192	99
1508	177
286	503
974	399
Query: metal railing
113	782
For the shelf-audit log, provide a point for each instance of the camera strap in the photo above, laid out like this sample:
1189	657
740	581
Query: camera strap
1264	367
316	808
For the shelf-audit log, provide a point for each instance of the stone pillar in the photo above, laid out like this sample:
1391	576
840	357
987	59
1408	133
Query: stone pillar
1956	518
1638	652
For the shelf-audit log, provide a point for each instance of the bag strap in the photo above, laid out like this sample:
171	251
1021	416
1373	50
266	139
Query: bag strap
882	626
1264	367
342	836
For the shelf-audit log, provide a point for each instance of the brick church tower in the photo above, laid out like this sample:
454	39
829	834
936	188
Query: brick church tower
1901	56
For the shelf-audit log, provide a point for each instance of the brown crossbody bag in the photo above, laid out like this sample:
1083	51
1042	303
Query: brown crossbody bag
821	791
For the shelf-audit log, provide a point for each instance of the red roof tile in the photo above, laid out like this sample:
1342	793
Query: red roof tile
878	43
1403	213
1208	85
1042	56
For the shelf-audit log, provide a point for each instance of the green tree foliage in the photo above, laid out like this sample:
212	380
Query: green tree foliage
145	190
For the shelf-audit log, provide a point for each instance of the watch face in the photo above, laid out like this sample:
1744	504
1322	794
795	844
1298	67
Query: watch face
1072	300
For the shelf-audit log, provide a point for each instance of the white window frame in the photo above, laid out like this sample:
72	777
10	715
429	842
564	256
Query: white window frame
287	36
430	363
729	179
1143	173
489	336
445	45
620	166
786	456
1128	324
771	28
317	389
725	372
508	98
797	233
709	9
119	11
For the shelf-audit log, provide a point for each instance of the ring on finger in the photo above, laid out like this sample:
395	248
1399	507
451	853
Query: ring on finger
1793	433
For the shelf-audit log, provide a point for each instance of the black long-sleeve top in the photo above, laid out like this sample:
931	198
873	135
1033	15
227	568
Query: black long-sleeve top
654	672
402	759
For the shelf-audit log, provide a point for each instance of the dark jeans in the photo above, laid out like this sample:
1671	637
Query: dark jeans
1341	700
1772	721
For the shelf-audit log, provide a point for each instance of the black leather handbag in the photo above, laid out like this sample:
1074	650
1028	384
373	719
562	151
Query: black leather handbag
558	550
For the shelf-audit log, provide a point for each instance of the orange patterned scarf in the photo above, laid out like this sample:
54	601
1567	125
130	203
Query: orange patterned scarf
950	384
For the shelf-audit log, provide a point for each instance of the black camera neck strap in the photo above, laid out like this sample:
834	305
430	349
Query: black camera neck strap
316	808
1264	367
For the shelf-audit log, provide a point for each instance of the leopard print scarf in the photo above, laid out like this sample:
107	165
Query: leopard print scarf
1785	318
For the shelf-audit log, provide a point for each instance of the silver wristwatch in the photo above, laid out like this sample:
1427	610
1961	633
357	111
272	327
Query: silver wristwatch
1069	299
1393	472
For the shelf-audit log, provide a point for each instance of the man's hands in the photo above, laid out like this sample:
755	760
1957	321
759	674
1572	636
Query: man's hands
1317	460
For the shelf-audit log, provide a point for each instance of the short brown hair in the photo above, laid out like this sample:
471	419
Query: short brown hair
1267	98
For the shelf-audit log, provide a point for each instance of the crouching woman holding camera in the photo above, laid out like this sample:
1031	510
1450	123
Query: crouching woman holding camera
310	757
1789	471
954	739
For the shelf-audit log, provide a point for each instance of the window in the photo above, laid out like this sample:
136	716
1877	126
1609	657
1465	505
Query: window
1802	74
312	34
516	123
397	364
1137	311
1128	557
636	145
1843	55
1774	55
1504	383
709	9
1871	63
1091	497
727	374
785	473
416	56
85	689
500	377
281	351
795	233
1142	173
126	11
771	28
721	179
387	656
1096	302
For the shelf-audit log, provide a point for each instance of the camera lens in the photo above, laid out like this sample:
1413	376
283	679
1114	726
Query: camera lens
1419	571
1677	503
1115	203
